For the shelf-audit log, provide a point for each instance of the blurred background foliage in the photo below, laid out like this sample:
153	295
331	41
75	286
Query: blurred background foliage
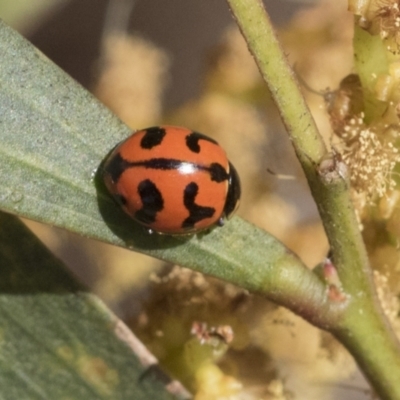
184	62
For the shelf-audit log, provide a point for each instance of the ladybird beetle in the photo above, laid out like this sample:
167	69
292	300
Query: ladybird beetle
172	180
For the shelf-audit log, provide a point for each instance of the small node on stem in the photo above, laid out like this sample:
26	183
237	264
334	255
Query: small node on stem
332	168
335	289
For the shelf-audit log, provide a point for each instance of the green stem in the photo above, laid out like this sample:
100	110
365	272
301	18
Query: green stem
254	23
374	346
362	326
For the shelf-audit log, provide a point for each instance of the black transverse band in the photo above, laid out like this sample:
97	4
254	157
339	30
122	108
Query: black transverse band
119	165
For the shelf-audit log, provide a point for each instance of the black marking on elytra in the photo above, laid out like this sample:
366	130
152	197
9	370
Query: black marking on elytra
152	201
116	166
192	141
158	163
217	172
196	212
234	192
152	137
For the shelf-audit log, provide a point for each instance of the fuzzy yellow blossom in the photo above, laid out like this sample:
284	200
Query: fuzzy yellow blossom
369	158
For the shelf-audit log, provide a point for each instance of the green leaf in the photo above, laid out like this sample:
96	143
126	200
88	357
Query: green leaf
56	340
54	136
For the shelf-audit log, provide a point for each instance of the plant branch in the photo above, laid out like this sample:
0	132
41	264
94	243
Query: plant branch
325	173
258	32
362	327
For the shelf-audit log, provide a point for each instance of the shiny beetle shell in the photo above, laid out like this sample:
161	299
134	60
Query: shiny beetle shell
172	180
